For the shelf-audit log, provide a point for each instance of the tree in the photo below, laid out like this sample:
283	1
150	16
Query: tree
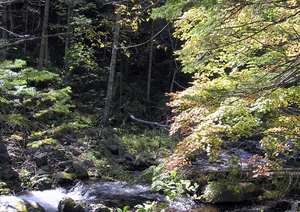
44	40
112	68
245	56
150	63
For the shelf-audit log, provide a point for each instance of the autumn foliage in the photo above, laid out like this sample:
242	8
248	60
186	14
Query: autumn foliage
245	56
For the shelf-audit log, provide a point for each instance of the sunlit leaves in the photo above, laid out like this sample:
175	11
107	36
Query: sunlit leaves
245	56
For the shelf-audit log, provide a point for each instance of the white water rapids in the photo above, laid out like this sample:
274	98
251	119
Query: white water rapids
95	193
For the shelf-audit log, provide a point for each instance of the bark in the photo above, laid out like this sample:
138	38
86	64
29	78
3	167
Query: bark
4	33
67	42
150	122
150	64
111	77
26	28
44	32
22	40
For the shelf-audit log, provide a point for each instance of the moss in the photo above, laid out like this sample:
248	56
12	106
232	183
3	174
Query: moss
226	191
70	176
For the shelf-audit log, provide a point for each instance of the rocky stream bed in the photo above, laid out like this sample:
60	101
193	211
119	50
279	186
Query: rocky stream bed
61	178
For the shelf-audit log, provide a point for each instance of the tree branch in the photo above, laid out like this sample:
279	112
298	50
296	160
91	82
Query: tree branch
32	38
149	122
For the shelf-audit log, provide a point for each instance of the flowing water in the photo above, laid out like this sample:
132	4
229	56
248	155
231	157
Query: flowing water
120	194
111	194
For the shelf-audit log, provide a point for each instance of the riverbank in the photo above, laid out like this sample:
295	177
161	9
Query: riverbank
54	161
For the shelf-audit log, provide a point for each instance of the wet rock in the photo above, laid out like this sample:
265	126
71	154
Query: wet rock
69	205
80	171
223	191
24	206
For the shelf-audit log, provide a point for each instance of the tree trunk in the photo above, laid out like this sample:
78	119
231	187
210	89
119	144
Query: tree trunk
150	64
26	28
44	33
113	60
67	43
4	35
174	47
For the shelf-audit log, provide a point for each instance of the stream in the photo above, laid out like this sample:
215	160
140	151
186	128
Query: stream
119	194
110	194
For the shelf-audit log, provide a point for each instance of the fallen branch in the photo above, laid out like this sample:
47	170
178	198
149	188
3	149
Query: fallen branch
149	122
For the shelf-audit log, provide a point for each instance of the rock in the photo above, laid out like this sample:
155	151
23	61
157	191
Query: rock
41	159
48	168
58	154
113	149
63	164
224	191
4	157
25	206
69	205
120	150
89	163
70	169
75	151
42	182
129	157
80	171
63	177
2	148
7	173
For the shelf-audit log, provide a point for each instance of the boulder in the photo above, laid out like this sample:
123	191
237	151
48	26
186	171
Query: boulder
69	205
64	177
225	191
7	173
4	157
113	149
89	163
41	159
63	164
24	206
80	171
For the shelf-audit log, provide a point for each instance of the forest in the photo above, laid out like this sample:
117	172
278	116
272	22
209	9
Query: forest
156	86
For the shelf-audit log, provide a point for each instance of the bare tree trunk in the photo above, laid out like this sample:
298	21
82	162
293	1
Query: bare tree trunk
44	32
46	51
176	65
150	64
26	27
67	42
113	60
4	36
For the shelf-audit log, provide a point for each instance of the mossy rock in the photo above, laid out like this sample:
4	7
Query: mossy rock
64	177
226	191
26	206
69	205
